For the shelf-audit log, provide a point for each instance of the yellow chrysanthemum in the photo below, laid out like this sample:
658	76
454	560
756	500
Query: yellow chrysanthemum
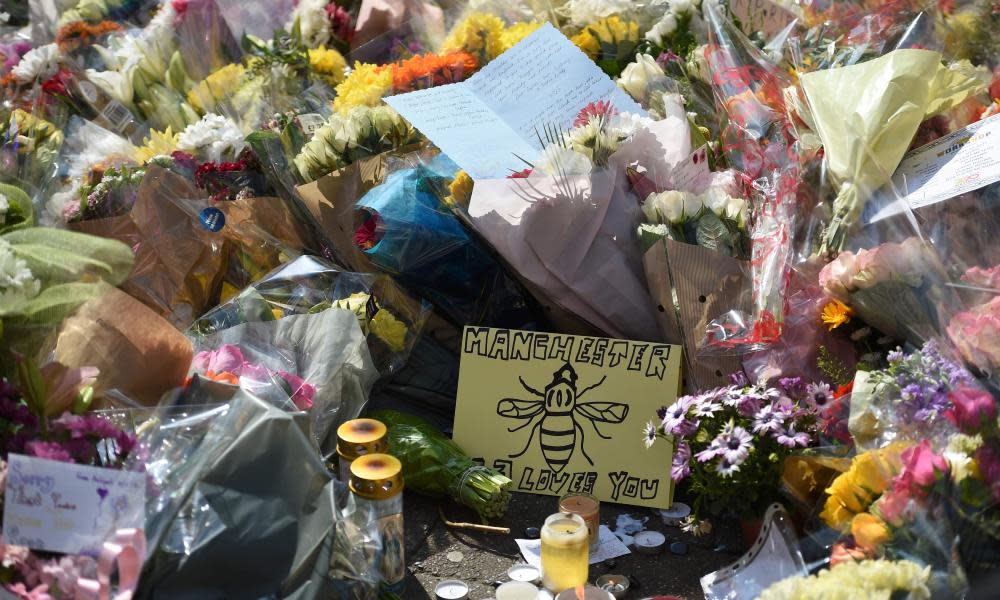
389	329
158	143
835	314
460	189
614	30
365	86
329	63
588	43
515	33
219	84
478	34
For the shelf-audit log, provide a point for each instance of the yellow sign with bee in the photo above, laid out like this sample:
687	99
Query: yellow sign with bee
564	413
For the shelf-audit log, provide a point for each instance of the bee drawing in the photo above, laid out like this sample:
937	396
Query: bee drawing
559	407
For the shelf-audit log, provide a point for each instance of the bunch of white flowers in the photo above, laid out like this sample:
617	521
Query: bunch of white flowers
38	64
676	207
212	138
314	24
861	579
17	283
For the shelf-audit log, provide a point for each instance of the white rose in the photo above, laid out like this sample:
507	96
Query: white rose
664	206
636	76
698	65
716	199
736	209
663	29
680	7
692	205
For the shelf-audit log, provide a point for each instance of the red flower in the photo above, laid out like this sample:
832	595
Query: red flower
520	174
367	235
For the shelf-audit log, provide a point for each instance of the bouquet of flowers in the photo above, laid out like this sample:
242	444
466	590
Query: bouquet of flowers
881	578
731	443
435	466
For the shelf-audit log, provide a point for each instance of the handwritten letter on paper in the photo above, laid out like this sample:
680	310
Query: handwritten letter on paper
486	122
64	507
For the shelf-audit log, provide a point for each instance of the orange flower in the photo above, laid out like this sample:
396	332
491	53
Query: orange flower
869	532
223	376
430	70
835	314
80	34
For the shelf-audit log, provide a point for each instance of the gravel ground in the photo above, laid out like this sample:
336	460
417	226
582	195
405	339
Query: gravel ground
484	558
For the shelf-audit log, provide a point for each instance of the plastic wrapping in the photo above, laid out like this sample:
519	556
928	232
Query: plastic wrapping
390	321
318	363
219	470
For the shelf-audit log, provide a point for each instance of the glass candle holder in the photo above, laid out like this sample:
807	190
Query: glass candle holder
589	509
565	552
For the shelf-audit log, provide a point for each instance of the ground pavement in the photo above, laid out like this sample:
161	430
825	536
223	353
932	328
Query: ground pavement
436	552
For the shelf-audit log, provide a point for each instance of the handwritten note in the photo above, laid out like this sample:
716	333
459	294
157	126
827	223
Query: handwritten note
64	507
959	162
486	122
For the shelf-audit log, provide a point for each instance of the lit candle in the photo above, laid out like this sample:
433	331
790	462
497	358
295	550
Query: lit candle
517	590
564	551
589	509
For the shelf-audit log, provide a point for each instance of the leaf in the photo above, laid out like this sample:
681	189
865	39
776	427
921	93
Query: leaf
55	303
32	386
713	234
19	209
59	256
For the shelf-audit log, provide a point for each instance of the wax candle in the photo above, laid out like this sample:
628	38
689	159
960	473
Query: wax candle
589	509
564	552
517	590
451	589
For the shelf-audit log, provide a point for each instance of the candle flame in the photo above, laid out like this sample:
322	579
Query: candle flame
579	592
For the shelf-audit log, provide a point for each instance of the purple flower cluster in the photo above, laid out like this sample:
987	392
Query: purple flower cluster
735	419
70	438
918	383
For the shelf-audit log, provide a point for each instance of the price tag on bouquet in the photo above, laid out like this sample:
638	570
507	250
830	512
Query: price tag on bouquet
563	413
65	507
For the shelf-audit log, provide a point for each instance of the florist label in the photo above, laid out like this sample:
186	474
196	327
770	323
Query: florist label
959	162
563	413
63	507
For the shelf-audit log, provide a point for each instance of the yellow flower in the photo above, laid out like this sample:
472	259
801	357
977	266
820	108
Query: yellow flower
218	85
613	30
853	491
869	531
329	63
460	189
515	33
389	329
478	33
835	314
158	143
588	43
277	313
365	86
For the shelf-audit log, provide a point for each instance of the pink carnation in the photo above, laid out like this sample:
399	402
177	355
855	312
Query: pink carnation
301	392
907	262
224	359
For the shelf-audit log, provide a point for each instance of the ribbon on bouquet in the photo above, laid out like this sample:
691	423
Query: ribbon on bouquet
126	551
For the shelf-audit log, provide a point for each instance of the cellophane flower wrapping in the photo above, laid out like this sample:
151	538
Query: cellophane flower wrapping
221	460
318	363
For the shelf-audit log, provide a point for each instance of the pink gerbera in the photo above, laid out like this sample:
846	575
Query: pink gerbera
601	108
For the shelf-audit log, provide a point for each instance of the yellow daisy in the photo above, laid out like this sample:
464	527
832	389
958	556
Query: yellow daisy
365	86
479	34
159	143
835	314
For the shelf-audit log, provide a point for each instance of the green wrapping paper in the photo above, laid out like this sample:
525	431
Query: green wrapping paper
434	465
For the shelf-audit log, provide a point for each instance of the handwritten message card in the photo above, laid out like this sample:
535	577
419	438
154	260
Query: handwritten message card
959	162
63	507
485	122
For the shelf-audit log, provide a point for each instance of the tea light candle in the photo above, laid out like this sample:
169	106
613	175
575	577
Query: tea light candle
589	509
524	573
677	512
589	593
617	585
649	542
517	590
451	589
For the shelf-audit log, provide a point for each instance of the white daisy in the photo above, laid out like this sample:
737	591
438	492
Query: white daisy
38	64
649	434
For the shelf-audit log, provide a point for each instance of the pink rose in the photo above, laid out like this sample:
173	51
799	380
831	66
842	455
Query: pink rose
299	391
986	278
837	277
224	359
921	467
971	408
976	333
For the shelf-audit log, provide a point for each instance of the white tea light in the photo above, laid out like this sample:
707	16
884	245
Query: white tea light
677	512
649	542
451	589
524	572
517	590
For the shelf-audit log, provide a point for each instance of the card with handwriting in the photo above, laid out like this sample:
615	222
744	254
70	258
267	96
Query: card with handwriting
65	507
488	123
